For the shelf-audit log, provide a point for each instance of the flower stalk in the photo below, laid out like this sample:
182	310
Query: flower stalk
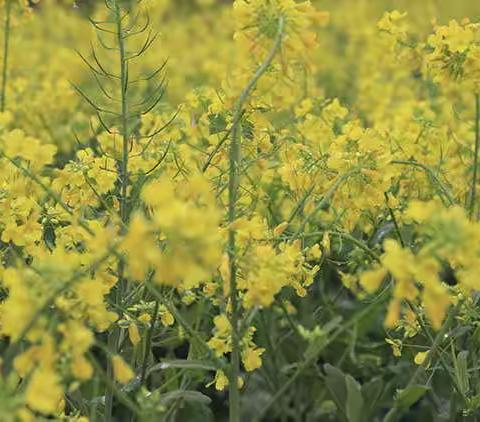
234	161
113	340
473	193
6	48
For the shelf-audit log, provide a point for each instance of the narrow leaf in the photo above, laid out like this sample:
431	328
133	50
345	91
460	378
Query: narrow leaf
410	395
355	401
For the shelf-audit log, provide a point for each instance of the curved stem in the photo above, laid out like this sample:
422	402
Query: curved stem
233	184
6	45
442	190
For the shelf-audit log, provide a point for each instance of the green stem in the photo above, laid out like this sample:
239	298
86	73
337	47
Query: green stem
356	242
436	182
6	45
233	184
121	396
324	201
114	335
124	117
395	222
148	342
473	193
234	393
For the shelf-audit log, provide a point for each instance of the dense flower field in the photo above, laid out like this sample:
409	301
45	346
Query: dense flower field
248	210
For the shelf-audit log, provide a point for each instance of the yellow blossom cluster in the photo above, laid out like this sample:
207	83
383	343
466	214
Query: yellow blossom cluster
141	218
455	54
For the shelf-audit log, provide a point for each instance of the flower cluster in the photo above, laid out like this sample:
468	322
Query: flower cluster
155	241
456	53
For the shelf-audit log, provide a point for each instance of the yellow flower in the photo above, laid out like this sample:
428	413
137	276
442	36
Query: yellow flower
397	260
392	22
25	415
252	358
221	380
277	231
44	391
393	314
436	301
258	23
81	368
145	318
134	334
396	346
91	291
421	211
315	252
326	243
456	37
222	324
121	371
420	357
24	362
220	346
78	337
371	280
165	316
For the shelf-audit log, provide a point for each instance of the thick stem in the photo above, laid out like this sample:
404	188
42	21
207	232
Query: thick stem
124	119
234	393
235	159
473	193
123	165
114	335
6	46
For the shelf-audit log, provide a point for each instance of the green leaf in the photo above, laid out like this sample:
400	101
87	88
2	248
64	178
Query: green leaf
476	337
49	236
354	399
247	129
461	371
336	385
372	391
217	123
410	395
